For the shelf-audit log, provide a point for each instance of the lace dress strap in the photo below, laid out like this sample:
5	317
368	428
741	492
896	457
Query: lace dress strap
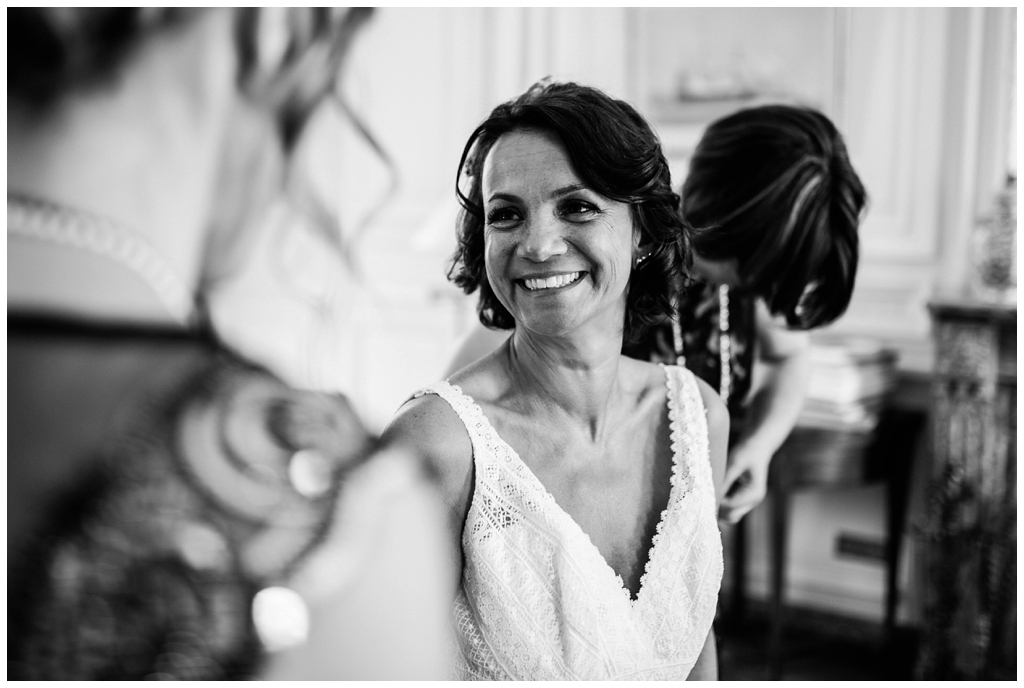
689	424
695	512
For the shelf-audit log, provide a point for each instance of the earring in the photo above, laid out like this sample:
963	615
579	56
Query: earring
641	258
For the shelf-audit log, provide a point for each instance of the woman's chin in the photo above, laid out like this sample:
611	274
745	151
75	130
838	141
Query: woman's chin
547	328
568	323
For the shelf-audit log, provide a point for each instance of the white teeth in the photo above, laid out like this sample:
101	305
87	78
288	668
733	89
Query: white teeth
551	282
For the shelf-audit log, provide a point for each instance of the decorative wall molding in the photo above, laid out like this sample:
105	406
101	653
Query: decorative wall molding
893	100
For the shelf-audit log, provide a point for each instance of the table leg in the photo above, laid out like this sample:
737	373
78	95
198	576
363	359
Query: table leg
908	427
738	601
779	524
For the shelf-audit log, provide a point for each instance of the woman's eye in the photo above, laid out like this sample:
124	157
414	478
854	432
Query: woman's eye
502	217
578	210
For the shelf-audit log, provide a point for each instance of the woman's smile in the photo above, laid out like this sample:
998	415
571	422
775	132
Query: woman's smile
551	283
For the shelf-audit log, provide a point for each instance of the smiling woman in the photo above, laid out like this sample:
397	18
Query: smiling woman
615	156
558	255
581	484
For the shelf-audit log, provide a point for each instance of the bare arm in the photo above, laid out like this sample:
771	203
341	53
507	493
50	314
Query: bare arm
480	342
773	412
706	668
377	589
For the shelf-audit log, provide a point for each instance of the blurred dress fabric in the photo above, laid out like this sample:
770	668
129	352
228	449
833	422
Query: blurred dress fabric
539	602
155	485
699	315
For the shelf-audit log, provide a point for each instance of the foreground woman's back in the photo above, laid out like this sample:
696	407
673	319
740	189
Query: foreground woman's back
178	511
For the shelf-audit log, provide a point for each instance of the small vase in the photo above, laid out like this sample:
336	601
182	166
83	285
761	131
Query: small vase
994	249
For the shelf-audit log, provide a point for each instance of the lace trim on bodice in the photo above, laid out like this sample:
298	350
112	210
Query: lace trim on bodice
538	599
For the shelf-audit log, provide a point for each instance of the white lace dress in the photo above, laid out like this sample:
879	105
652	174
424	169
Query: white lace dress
538	601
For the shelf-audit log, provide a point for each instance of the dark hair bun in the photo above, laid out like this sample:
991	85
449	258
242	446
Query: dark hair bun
773	188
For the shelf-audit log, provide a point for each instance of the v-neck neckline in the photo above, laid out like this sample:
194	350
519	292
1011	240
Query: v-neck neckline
671	403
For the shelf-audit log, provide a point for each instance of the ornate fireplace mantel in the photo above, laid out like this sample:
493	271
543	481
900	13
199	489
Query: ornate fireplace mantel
971	536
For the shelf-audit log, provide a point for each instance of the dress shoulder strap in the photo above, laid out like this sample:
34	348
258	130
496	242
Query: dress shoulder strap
689	424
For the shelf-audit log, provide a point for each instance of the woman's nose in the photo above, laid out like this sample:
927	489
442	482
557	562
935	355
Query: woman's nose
542	239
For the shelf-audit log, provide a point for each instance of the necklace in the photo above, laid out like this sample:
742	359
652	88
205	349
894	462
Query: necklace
40	220
724	342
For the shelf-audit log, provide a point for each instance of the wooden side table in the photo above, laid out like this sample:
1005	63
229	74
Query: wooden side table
971	535
816	458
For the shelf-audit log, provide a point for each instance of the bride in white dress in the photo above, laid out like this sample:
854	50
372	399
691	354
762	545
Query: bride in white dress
582	484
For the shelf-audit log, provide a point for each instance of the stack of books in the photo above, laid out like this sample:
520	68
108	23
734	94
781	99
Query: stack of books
848	387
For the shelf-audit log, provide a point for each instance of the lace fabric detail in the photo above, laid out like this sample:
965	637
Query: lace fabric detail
539	602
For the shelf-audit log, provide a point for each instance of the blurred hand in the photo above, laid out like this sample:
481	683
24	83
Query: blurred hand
746	481
378	587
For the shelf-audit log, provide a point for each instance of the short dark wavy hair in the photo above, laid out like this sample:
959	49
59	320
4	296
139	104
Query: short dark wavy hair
773	188
617	155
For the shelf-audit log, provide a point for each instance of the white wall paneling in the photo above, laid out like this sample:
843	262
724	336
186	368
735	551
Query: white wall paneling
590	47
982	56
782	52
892	116
995	130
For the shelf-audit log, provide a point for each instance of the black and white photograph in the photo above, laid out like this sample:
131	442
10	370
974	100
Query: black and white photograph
512	343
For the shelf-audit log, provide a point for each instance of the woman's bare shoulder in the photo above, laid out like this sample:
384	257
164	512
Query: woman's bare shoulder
432	428
486	380
429	424
642	377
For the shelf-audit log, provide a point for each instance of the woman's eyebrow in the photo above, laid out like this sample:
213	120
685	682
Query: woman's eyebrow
502	196
557	193
567	190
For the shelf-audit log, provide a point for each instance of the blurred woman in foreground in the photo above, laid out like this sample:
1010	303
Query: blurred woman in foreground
174	510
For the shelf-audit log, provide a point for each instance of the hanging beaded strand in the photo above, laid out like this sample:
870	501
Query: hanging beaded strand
724	342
